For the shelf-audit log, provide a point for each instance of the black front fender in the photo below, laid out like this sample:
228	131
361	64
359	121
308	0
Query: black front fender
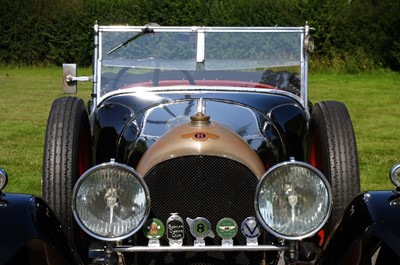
31	233
371	221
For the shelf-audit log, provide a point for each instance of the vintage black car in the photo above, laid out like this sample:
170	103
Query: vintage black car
199	146
367	234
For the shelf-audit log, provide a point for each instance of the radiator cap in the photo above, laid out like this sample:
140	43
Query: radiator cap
200	119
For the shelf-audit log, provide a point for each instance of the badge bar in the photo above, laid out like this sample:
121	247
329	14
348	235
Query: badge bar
204	248
200	228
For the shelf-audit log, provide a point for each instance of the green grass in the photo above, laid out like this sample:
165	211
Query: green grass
26	95
373	103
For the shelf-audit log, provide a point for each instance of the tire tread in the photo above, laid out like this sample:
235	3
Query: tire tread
340	149
59	163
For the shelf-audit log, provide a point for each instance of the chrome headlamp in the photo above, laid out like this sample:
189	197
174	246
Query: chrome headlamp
395	175
111	201
3	179
293	200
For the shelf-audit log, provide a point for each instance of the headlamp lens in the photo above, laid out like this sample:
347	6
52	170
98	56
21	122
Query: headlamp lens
395	175
111	201
293	200
3	178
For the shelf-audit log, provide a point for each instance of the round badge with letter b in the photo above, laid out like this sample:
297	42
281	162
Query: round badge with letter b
200	228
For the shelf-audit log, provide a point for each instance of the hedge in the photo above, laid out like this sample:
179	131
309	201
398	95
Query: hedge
40	32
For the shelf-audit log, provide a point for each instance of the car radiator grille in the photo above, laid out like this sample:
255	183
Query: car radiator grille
201	186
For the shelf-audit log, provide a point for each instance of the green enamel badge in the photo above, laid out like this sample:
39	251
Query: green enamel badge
227	228
154	228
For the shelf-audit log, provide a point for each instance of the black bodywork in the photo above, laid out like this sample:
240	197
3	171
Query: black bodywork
275	126
368	233
31	233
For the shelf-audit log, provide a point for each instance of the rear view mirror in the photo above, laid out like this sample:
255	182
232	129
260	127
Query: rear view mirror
69	84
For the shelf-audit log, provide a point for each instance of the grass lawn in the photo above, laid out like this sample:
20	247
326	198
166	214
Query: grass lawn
27	95
373	103
25	101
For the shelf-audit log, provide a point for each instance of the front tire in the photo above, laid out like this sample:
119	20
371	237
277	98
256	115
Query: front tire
67	154
333	151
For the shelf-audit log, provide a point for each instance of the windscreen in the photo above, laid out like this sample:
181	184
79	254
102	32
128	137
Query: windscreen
200	57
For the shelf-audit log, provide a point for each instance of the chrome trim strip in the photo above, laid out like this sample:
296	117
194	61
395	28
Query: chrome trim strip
200	89
201	44
197	28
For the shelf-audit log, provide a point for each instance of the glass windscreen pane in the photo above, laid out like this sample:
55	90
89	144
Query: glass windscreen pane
258	59
230	50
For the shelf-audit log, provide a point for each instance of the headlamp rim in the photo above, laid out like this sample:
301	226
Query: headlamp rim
299	164
4	176
394	168
86	174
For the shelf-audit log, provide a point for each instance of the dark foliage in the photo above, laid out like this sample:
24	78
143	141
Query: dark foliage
372	27
56	31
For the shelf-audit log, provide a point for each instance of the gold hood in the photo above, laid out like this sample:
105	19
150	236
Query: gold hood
201	136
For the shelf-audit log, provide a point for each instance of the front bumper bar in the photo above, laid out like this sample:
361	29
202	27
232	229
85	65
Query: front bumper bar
198	248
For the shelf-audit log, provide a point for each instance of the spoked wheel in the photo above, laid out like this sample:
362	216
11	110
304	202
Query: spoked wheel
333	151
67	154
